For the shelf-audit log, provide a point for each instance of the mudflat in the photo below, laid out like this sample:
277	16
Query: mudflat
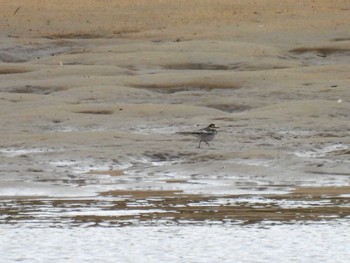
93	93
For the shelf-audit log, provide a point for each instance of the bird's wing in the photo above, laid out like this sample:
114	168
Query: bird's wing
203	131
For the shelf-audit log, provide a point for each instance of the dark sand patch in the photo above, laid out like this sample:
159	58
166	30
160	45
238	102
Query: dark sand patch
191	86
9	70
339	39
74	36
321	51
201	66
97	112
165	156
84	35
234	67
230	108
29	89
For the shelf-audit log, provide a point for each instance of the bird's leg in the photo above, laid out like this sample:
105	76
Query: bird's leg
199	145
207	143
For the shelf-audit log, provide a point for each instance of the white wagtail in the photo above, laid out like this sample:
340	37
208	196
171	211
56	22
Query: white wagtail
204	135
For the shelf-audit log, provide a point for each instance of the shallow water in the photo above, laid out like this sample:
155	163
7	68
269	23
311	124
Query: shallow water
44	187
306	242
156	211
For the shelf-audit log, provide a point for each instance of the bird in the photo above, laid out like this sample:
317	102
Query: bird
204	135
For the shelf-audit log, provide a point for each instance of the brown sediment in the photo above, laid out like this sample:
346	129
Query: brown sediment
177	207
9	70
322	191
108	172
188	207
180	207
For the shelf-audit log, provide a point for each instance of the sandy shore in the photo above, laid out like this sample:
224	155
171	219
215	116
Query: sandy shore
92	94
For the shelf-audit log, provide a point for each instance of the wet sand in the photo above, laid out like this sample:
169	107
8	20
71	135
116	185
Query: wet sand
93	94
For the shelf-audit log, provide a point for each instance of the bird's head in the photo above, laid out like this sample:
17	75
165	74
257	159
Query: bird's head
212	126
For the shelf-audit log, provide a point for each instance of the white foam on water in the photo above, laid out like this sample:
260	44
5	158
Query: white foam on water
66	129
254	162
13	152
87	165
162	163
321	152
34	189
